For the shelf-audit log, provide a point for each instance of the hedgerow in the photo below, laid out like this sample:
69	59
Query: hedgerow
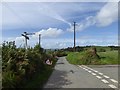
19	65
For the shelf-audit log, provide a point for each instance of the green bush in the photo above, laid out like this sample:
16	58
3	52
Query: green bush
9	79
20	66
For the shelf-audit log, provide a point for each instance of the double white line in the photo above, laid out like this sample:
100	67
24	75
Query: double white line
95	72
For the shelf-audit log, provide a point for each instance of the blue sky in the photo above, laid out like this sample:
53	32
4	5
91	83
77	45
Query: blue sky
97	23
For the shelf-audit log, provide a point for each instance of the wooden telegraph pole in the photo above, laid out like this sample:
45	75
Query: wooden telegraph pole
39	39
74	36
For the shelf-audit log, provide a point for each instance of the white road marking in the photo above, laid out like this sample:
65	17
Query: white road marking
98	77
114	81
93	74
112	86
100	73
90	68
106	76
105	81
95	71
86	69
86	66
89	71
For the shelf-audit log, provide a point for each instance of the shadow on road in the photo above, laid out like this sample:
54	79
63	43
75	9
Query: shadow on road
58	80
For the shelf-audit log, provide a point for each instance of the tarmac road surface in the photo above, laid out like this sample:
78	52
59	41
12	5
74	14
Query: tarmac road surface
66	75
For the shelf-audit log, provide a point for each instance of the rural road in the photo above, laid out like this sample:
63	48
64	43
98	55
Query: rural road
66	75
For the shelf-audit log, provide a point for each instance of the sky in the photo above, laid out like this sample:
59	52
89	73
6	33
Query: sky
96	23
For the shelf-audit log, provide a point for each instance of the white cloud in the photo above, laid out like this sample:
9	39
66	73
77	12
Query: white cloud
108	14
45	33
89	21
64	43
53	43
44	15
50	32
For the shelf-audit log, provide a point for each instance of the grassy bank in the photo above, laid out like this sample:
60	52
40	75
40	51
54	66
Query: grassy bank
108	57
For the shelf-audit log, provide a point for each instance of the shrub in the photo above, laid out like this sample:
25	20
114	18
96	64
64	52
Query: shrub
9	79
19	66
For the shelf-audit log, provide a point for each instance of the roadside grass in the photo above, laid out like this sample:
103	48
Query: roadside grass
75	57
108	57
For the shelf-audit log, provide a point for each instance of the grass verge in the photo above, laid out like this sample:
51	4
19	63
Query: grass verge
108	57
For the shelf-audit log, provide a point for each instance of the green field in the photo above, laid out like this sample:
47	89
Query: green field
108	57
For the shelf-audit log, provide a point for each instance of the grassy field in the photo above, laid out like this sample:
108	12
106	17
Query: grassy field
108	57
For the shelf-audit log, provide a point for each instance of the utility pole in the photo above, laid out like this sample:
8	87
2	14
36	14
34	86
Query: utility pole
39	39
74	35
